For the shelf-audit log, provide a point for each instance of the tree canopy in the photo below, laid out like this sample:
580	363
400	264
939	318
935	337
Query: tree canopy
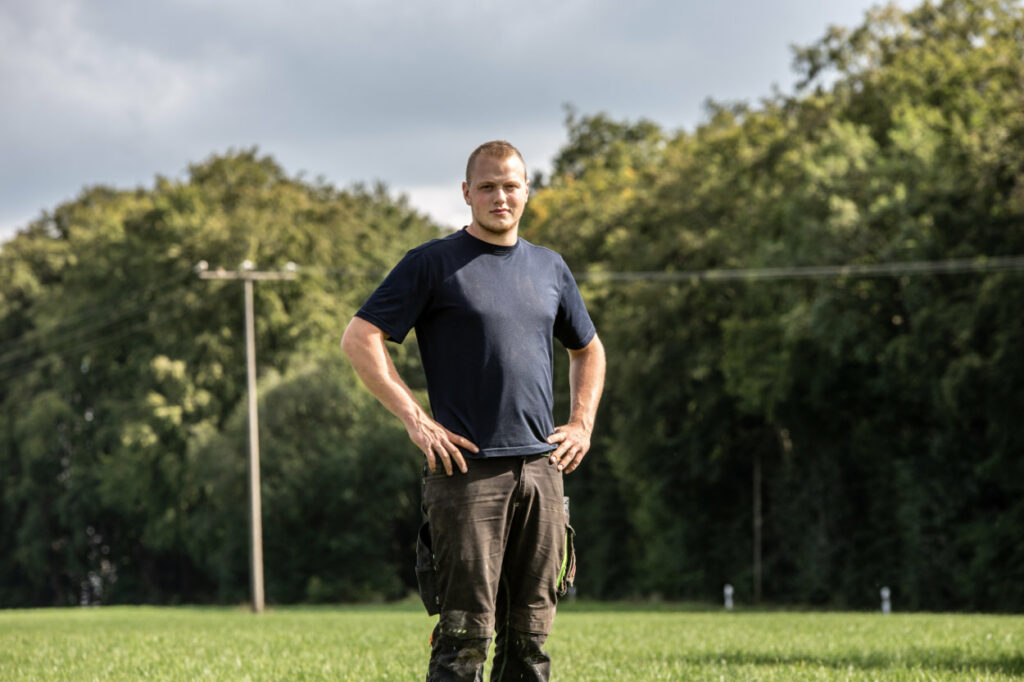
812	440
124	384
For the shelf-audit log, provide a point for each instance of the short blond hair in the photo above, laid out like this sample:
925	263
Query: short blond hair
497	149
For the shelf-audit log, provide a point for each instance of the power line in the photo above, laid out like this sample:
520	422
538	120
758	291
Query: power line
49	344
124	308
17	368
17	356
955	266
51	341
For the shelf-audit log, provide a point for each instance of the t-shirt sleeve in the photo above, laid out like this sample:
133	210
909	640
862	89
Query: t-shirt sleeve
573	326
398	302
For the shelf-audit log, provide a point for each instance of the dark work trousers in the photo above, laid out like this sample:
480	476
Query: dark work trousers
497	538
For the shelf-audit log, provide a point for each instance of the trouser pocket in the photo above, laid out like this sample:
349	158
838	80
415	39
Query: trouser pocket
426	571
567	571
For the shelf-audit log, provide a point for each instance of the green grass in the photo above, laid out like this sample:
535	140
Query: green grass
590	642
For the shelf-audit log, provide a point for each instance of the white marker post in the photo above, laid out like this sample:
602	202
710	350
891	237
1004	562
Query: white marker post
727	592
886	601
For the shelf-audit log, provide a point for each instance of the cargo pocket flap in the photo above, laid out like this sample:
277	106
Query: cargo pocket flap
426	574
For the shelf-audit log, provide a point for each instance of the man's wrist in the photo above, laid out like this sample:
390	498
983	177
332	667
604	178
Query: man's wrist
412	417
582	423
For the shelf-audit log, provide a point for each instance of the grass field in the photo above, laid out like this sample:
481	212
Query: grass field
590	642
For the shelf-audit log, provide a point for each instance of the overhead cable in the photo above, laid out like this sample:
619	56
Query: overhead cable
898	269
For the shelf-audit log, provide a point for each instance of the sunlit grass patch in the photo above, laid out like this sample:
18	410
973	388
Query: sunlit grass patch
590	642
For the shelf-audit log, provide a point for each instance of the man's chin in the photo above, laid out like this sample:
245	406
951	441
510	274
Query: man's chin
497	227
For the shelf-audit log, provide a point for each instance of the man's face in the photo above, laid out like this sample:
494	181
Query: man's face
496	193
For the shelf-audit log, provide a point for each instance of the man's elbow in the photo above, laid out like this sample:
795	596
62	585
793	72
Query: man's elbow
349	342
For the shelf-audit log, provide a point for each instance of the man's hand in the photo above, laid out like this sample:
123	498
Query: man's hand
586	380
438	442
573	443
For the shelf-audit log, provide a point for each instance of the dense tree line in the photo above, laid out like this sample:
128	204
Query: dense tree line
122	400
813	439
808	440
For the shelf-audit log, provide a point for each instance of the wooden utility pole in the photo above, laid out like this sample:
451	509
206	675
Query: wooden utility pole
248	275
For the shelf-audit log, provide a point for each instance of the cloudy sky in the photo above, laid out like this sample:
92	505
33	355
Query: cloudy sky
116	92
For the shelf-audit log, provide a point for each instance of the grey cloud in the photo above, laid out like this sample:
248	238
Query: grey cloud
118	91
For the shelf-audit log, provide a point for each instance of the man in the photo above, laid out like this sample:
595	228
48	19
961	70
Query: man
485	305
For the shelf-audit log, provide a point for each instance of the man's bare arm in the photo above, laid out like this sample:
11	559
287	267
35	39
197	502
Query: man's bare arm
586	381
364	344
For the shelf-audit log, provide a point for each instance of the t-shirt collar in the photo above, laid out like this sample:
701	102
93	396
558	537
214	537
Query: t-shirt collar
489	247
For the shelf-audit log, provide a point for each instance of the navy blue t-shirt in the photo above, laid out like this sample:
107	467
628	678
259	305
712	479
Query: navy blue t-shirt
484	317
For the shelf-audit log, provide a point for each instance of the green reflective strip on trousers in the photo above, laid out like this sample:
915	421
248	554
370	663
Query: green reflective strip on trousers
565	560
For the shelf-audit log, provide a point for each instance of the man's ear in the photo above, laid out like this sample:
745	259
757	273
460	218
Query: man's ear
465	193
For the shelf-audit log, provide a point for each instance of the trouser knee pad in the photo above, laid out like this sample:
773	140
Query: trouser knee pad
457	659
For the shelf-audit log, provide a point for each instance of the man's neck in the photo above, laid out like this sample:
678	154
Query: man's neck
507	238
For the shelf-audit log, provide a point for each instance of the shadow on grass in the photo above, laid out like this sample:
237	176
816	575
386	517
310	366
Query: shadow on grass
920	658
